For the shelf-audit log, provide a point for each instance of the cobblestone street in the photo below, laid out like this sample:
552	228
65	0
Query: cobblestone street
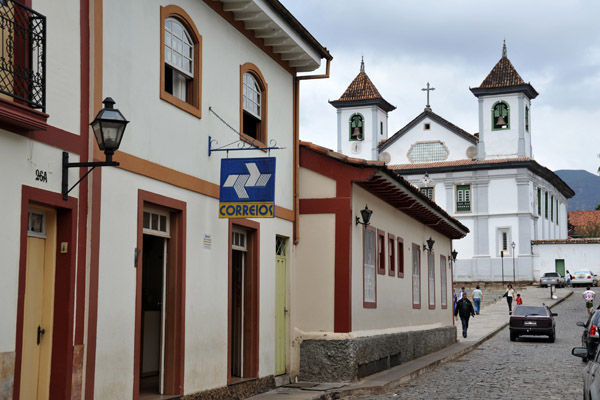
530	368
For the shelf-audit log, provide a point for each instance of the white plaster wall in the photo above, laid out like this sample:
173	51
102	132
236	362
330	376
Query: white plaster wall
63	62
314	280
158	129
370	131
315	186
576	255
502	193
394	295
456	145
503	143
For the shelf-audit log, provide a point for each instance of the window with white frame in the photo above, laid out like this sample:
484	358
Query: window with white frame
463	198
156	222
254	103
443	282
416	276
369	277
179	59
427	191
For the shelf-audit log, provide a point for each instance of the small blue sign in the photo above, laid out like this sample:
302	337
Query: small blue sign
247	188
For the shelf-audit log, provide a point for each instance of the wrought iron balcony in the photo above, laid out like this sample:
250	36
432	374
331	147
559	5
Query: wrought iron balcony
22	54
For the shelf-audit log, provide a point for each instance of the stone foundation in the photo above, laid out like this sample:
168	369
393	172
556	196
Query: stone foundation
237	391
351	359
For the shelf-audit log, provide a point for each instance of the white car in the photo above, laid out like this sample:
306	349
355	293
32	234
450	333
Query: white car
591	384
584	277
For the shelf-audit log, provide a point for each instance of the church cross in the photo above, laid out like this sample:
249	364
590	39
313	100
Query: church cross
428	89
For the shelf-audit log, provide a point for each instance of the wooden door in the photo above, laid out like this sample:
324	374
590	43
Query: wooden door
39	305
280	305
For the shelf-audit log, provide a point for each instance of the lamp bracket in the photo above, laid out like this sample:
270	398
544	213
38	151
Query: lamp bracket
65	171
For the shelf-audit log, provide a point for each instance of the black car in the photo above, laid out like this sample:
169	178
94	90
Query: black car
591	334
532	320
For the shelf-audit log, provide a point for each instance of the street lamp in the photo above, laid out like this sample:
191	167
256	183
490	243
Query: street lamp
108	127
429	245
366	216
513	254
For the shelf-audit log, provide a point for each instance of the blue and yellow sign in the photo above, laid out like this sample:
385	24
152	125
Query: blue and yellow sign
247	188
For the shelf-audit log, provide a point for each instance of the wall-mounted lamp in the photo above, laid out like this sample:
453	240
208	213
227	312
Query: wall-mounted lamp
429	245
108	127
454	255
366	216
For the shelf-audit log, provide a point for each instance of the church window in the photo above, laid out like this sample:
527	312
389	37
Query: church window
381	128
369	275
539	202
427	127
416	275
357	123
181	57
427	191
254	103
556	211
546	205
463	198
503	242
527	118
500	116
552	208
422	152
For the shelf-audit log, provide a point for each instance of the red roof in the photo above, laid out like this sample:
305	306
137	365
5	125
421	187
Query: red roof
580	220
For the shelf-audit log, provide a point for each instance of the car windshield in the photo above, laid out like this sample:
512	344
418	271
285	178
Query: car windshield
529	310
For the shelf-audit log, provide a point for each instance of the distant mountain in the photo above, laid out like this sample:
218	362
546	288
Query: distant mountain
586	187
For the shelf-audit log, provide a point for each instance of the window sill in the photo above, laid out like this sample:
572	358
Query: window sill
187	107
22	118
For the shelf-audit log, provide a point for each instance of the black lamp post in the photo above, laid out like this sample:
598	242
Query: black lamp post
366	216
108	127
513	254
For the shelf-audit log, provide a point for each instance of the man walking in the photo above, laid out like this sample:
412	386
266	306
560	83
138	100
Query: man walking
465	310
477	298
588	296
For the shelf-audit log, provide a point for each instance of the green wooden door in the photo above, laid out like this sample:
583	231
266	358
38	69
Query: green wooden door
280	307
560	266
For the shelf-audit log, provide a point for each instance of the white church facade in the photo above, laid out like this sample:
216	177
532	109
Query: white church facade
489	181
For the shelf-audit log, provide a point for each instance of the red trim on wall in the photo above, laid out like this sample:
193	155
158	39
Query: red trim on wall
369	304
391	254
19	118
62	343
380	252
443	265
254	307
416	248
400	254
175	329
431	256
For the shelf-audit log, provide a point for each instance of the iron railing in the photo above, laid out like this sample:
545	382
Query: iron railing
23	54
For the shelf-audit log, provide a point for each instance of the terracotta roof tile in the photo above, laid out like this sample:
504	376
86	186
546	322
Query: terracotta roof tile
438	164
580	219
502	75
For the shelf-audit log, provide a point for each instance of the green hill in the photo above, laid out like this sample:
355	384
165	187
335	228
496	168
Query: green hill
586	187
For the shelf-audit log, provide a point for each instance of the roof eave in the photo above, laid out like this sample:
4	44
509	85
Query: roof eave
527	89
380	102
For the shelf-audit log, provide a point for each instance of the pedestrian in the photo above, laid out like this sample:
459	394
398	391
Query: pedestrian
568	277
477	298
462	290
454	300
509	294
465	310
519	300
589	296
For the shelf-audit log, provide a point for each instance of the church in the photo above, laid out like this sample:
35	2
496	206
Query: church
489	181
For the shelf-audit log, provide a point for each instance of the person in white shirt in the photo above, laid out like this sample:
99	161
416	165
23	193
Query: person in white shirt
509	294
477	298
589	296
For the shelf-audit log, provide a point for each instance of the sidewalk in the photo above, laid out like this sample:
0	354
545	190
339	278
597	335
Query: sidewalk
492	319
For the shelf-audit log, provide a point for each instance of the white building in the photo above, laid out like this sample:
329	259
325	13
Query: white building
133	285
488	181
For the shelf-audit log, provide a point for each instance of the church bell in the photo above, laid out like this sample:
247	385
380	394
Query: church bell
500	121
356	133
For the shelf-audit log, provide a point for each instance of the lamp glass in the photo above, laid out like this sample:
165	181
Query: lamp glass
366	215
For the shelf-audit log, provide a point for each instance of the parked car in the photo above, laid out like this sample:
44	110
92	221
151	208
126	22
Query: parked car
532	320
584	277
591	375
552	278
591	334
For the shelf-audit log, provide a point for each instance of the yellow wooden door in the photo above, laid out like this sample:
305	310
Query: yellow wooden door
39	310
280	307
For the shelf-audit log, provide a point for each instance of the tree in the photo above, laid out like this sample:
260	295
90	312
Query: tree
598	206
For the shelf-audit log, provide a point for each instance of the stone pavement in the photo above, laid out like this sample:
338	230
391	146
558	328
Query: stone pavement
492	319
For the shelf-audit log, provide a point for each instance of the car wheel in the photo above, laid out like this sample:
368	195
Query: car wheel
513	336
552	337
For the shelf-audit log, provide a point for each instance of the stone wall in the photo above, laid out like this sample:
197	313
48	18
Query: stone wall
351	359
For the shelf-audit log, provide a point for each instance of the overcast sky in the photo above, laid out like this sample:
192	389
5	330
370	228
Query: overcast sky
553	45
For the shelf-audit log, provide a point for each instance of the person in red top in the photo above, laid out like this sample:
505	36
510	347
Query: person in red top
519	300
